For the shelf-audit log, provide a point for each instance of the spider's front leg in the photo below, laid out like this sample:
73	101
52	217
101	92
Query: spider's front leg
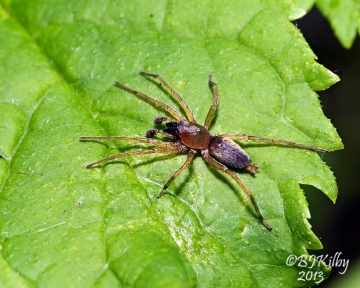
161	147
173	93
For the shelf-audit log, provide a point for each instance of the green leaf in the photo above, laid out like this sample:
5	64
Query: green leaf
63	225
344	17
305	4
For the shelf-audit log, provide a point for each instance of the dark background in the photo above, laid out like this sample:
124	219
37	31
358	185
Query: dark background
337	225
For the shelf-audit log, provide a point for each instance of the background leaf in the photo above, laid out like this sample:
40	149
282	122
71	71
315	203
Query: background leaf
61	59
304	4
344	17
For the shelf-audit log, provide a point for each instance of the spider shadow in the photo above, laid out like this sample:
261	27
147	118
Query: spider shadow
162	89
218	174
142	163
122	149
153	160
236	189
241	196
156	159
98	142
166	92
185	180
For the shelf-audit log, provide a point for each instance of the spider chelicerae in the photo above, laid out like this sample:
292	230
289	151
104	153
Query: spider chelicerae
219	151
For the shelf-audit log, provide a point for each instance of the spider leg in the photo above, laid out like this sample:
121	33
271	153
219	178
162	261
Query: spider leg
161	147
161	150
173	93
151	141
212	111
188	161
217	165
280	142
147	98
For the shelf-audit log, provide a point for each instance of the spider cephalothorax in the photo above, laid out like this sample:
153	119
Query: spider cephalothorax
219	151
195	136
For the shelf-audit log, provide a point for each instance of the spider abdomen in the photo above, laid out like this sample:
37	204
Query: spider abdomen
228	153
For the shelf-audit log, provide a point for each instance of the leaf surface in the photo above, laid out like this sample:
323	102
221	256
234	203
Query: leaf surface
63	225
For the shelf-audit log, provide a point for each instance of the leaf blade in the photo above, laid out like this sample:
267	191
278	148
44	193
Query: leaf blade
207	228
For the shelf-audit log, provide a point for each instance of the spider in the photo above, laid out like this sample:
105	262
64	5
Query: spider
219	151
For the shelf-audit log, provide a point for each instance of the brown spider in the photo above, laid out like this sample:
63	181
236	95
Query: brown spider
219	151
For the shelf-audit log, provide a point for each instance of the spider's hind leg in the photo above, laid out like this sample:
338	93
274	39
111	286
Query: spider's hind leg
219	166
280	142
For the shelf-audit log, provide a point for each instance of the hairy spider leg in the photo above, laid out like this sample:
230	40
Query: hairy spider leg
162	147
135	153
147	98
155	142
212	111
173	93
219	166
188	161
280	142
